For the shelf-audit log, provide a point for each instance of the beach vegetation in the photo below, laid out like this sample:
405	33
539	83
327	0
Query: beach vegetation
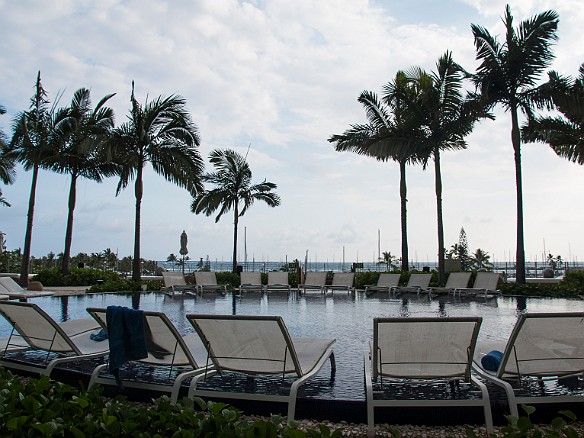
161	133
388	259
40	407
447	115
82	131
481	260
564	132
34	144
506	76
459	251
75	277
388	135
7	172
232	190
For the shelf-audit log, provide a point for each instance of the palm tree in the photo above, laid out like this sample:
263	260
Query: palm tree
84	131
507	75
446	116
233	187
481	260
388	259
34	144
7	173
162	133
564	134
387	135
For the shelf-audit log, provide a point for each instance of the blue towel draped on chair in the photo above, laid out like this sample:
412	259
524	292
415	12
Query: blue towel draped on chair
127	342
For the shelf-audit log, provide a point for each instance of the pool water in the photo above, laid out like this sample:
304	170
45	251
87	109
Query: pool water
346	317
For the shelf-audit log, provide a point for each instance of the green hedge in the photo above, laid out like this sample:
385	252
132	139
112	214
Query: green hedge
76	277
31	407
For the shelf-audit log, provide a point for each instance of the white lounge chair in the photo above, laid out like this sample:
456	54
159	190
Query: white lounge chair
341	281
541	347
259	346
384	283
416	284
278	280
417	351
181	355
313	280
456	280
207	282
250	281
33	329
175	282
485	284
13	290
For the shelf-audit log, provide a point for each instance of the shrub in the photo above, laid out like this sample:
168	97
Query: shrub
43	408
229	279
574	279
523	427
117	285
76	277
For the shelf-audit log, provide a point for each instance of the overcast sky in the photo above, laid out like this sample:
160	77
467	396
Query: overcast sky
283	76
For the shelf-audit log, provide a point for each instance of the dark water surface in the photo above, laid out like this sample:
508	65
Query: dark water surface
348	318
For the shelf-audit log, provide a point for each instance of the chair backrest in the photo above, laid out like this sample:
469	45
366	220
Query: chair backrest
165	344
419	280
248	344
205	278
173	279
486	280
315	279
37	328
277	277
424	347
343	279
10	285
388	280
254	278
545	344
458	280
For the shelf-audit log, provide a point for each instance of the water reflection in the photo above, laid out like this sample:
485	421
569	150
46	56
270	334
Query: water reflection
64	307
521	305
404	310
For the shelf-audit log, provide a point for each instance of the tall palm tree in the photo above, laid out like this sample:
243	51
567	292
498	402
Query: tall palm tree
7	172
84	132
507	75
233	190
34	144
387	136
160	132
446	116
565	132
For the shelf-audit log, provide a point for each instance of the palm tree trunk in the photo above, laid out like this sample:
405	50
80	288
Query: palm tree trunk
69	230
28	234
138	190
520	255
403	193
235	224
438	182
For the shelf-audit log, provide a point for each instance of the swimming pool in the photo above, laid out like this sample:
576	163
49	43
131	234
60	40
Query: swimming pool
348	318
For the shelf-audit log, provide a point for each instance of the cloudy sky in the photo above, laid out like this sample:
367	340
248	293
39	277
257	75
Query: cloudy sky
282	77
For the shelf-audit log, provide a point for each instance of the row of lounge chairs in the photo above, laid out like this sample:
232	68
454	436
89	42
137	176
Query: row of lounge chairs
175	282
485	284
404	352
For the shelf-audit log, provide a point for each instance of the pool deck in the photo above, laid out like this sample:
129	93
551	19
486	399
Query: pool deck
66	290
